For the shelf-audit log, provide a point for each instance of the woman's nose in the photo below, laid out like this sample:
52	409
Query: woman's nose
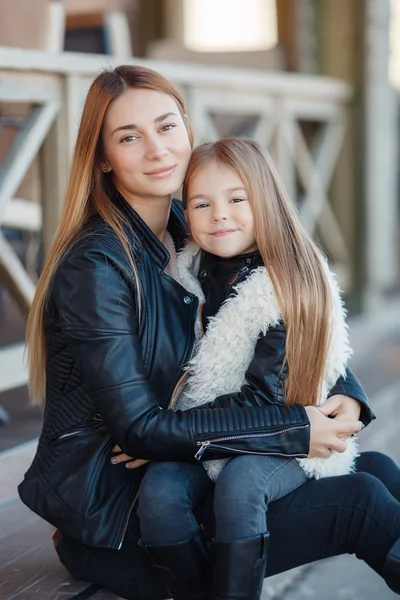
155	148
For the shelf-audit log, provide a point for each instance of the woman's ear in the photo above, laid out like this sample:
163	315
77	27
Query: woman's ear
189	129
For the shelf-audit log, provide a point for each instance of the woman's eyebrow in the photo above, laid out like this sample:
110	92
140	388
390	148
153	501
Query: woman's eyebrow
156	120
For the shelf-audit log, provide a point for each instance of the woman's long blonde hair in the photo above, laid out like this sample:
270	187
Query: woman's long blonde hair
86	196
292	259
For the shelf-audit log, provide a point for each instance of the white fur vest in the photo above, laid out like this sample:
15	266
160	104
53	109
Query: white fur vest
227	348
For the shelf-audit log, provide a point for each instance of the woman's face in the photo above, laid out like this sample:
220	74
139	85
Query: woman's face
146	144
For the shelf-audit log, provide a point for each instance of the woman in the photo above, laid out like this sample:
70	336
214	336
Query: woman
109	333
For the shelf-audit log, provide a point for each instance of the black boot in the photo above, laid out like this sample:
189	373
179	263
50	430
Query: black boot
182	568
239	568
391	568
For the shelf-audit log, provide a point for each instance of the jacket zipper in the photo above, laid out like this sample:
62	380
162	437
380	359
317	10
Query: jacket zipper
179	385
84	429
125	527
211	443
186	373
236	277
174	393
70	434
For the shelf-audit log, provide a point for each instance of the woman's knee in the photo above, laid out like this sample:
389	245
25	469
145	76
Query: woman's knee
366	489
376	463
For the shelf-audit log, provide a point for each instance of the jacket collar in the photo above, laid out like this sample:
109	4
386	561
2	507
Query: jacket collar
227	268
145	238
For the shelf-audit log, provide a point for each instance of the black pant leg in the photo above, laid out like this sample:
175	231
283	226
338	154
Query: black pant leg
126	572
383	468
336	515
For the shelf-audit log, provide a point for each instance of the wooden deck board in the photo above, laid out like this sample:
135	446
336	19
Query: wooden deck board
29	567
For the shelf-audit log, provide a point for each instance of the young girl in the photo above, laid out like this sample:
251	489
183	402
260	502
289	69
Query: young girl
274	329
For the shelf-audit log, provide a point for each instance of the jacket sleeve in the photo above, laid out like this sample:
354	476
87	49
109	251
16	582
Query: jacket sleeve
265	379
98	317
350	386
265	382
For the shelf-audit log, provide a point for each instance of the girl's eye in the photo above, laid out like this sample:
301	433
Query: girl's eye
128	138
202	205
168	126
236	200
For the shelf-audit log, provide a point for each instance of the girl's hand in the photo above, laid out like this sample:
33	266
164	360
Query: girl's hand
342	407
130	462
327	434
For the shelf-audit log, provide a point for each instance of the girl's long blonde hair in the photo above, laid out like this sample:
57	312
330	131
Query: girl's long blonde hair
292	259
86	196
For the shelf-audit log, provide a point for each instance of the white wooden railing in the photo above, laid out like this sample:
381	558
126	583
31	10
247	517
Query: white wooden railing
278	104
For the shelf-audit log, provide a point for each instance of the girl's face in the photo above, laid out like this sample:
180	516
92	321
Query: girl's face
146	144
218	212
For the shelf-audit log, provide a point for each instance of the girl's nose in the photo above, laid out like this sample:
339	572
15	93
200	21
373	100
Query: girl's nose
219	213
219	216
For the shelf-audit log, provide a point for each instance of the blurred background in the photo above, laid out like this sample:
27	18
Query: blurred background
315	81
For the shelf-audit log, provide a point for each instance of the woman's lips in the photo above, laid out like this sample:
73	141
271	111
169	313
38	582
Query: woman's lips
162	172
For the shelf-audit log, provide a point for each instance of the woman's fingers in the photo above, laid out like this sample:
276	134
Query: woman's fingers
327	434
130	462
338	445
121	458
342	407
134	464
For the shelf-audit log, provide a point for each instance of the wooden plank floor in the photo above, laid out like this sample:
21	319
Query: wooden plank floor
29	567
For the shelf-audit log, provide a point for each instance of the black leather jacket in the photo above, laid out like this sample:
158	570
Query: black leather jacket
265	376
110	374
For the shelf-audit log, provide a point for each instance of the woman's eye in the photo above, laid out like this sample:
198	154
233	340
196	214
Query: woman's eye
128	138
168	126
236	200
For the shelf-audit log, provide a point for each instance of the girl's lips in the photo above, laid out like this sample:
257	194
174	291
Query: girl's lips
162	172
223	232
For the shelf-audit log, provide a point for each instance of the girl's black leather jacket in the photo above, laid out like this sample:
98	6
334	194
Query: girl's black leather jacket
266	374
111	371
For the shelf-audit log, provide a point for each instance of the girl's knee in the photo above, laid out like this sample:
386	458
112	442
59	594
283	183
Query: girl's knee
159	491
238	499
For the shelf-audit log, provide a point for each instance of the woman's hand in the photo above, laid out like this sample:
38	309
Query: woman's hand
130	462
341	407
328	434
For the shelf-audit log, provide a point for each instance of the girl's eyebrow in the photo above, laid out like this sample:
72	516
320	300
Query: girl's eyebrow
205	197
156	120
198	197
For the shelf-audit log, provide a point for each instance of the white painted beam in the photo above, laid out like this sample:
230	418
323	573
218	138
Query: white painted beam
24	148
13	370
22	214
381	155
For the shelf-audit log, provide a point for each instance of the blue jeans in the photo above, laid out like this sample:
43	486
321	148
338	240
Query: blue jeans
170	492
357	513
